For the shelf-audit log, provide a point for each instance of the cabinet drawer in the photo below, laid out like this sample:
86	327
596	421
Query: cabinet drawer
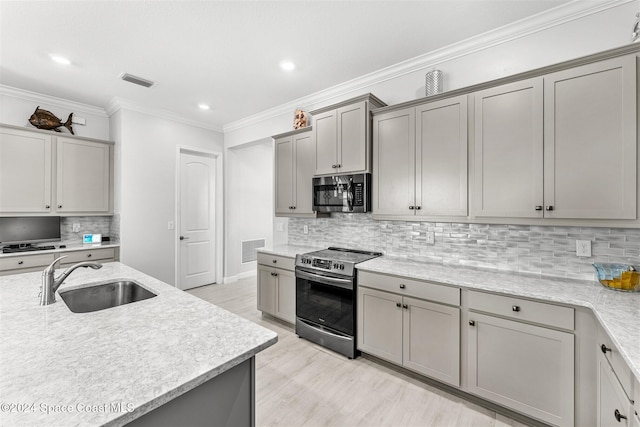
620	368
521	309
276	261
26	261
88	255
411	288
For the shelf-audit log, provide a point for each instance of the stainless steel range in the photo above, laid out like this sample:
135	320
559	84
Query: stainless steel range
326	297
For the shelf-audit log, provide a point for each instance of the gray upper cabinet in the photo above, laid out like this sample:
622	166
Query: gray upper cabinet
420	160
590	141
559	146
25	172
341	135
294	166
41	173
84	176
508	150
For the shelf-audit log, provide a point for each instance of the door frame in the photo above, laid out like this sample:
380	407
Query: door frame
219	209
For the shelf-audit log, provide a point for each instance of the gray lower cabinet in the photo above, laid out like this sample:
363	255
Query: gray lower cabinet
614	408
34	261
421	335
294	163
277	287
420	159
526	367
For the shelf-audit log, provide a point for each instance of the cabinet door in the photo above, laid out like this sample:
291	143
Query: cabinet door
527	368
394	162
352	138
508	151
590	141
431	340
25	172
267	290
284	175
441	158
83	176
611	399
286	296
303	166
380	324
325	130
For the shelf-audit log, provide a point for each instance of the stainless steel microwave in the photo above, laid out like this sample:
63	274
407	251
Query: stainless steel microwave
342	193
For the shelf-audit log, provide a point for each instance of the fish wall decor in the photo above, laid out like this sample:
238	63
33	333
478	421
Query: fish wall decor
43	119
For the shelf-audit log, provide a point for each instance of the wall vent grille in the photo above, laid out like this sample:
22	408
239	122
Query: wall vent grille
137	80
249	249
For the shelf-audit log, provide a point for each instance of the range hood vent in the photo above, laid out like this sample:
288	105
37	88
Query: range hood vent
137	80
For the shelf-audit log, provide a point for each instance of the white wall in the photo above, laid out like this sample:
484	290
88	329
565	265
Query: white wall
147	201
17	105
249	202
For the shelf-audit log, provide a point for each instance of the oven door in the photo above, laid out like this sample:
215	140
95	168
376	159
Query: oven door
325	300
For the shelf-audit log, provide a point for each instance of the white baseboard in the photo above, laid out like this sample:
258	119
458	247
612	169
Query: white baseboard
233	279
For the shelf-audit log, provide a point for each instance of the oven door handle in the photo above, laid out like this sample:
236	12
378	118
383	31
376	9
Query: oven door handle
325	280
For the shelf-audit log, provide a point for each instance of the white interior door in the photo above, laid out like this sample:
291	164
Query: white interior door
197	245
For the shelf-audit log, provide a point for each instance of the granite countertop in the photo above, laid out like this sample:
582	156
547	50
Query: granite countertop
139	355
290	250
617	312
70	247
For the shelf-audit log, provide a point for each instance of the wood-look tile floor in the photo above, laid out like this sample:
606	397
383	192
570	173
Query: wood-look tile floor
301	384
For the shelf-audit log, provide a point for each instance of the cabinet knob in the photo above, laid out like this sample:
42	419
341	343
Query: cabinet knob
538	207
548	208
338	165
59	206
405	306
604	349
89	255
619	416
402	286
412	207
334	166
275	261
472	323
398	305
20	262
47	207
418	208
515	308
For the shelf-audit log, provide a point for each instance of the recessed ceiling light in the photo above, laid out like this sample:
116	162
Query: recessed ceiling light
60	59
287	65
204	106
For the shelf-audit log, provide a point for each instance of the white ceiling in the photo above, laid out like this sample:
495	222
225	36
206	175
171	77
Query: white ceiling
227	53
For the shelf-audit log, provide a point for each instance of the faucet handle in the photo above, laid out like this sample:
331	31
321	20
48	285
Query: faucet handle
52	267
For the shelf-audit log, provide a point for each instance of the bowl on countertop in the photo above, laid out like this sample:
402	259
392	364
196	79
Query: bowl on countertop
620	277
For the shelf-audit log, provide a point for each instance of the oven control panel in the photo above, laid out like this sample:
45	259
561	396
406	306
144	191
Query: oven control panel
325	264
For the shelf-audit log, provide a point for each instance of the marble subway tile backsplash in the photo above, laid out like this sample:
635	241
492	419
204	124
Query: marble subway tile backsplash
105	225
544	250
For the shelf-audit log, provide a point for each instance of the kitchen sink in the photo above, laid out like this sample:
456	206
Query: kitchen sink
103	295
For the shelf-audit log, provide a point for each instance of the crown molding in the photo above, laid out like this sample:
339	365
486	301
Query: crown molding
39	98
117	103
543	21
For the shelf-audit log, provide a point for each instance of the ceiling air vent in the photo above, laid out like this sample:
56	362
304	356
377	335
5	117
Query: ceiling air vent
136	80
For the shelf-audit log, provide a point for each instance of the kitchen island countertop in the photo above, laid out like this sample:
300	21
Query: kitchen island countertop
617	312
112	366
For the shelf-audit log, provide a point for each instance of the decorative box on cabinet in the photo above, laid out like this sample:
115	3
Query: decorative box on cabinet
342	136
420	160
42	173
410	323
524	366
294	165
277	286
559	146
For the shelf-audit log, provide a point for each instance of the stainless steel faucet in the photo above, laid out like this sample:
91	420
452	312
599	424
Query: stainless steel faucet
50	284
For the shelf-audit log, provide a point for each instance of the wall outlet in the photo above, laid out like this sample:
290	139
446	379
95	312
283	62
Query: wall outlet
170	225
431	238
305	229
280	227
583	248
75	227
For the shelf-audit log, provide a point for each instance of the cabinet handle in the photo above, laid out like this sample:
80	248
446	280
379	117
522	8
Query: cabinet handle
184	238
405	306
548	208
515	308
619	416
275	261
604	349
274	274
538	207
334	166
418	208
338	165
293	207
402	286
59	206
398	305
47	207
472	323
412	207
20	262
89	255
